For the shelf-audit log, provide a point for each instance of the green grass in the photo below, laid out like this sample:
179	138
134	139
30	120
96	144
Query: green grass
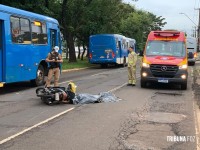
79	64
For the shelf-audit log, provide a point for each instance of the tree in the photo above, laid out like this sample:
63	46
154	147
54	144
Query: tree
138	24
66	21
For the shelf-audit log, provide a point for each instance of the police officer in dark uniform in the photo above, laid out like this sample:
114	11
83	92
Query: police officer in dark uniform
54	59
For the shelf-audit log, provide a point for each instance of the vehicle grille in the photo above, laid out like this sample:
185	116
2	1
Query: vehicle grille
167	71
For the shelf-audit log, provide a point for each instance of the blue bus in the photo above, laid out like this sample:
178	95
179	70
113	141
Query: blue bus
25	40
107	49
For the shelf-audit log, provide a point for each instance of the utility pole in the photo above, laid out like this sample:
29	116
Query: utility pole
195	32
198	32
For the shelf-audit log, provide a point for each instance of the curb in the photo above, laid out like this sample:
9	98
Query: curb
75	69
196	73
197	123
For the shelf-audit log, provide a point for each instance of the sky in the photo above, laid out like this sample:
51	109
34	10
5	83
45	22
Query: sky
170	10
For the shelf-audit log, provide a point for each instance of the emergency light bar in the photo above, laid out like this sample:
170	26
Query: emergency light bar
166	33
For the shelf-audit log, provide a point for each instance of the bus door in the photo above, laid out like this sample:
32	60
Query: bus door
120	50
53	34
1	50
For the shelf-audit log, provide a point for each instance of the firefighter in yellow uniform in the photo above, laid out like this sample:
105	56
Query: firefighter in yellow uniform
132	59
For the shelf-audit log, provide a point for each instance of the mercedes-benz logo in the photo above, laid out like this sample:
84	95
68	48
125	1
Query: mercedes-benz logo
163	68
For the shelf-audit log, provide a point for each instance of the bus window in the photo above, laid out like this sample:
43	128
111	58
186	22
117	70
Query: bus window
124	44
15	29
117	43
39	32
20	29
127	45
60	40
43	35
25	31
53	37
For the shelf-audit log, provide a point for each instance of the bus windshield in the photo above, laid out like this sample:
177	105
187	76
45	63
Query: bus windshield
101	40
166	48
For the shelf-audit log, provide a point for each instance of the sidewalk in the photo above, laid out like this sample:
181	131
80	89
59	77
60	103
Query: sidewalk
196	104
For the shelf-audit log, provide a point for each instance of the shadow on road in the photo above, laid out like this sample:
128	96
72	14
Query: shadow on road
15	87
160	86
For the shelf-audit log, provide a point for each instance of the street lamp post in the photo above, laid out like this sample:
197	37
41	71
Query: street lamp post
189	18
198	34
198	29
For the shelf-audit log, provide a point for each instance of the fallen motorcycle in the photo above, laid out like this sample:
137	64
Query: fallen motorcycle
56	95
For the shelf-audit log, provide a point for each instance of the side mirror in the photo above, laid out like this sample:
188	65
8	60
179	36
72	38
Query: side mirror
190	55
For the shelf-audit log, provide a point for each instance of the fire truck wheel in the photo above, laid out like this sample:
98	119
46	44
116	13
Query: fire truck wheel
184	86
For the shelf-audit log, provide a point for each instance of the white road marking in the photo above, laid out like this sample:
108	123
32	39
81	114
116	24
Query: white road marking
99	73
35	126
65	82
118	87
75	69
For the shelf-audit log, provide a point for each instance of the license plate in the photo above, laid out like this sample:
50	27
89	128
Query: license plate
163	80
102	57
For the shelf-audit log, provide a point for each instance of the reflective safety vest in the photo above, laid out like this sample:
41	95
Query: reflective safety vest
132	58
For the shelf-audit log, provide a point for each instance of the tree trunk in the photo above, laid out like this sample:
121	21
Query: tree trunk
47	3
67	33
83	52
67	48
70	44
67	53
79	51
87	51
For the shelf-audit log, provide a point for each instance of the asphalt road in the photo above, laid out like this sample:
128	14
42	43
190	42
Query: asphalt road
157	117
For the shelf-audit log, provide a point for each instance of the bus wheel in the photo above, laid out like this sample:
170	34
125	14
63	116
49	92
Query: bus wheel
40	76
184	86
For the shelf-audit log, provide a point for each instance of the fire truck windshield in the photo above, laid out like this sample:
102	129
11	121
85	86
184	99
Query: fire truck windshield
166	48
